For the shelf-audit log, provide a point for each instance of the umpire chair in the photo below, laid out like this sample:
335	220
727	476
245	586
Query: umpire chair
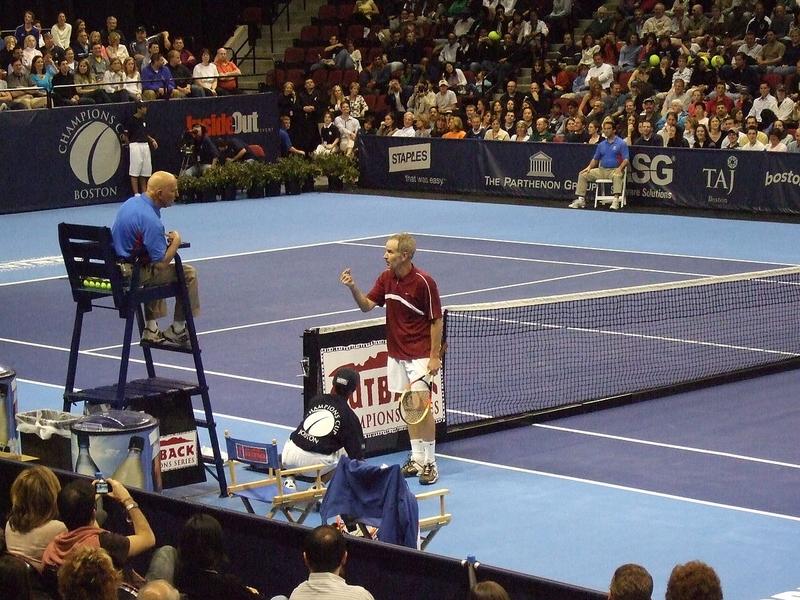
95	274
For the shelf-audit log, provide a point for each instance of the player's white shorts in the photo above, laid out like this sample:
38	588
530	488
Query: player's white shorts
293	457
399	373
141	165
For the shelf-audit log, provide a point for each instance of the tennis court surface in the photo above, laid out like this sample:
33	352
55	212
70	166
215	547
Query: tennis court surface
710	474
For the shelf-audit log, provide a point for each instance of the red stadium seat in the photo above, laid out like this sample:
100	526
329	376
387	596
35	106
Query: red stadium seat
773	80
623	78
320	77
296	76
326	31
345	12
371	99
313	55
309	35
327	13
334	78
293	57
355	32
373	52
276	78
380	108
349	77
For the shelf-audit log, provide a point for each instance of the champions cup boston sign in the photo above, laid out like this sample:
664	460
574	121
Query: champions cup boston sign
91	145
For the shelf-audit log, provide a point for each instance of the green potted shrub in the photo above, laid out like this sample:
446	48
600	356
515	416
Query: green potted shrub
188	189
295	173
339	168
228	177
269	177
207	186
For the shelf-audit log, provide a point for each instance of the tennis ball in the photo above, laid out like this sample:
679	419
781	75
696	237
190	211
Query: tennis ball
717	61
494	35
87	283
655	60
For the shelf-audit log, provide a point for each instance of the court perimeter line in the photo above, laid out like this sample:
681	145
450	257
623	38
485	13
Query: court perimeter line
353	310
623	488
531	471
540	260
51	260
670	446
157	364
570	246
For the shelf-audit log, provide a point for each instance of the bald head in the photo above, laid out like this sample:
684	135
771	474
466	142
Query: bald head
159	589
162	187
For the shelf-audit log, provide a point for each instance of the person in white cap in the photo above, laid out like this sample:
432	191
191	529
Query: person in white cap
446	99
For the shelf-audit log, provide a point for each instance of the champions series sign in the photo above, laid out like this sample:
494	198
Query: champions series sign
362	346
718	179
72	156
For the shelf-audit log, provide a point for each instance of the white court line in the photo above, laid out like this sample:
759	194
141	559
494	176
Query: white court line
157	364
51	260
593	249
540	473
623	488
29	263
352	310
540	260
670	446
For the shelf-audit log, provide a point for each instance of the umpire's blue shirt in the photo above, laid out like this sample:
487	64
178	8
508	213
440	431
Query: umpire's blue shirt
610	154
138	225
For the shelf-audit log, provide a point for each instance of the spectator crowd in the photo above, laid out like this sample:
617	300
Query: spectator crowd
68	64
711	74
55	546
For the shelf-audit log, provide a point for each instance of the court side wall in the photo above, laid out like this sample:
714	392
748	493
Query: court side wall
737	180
267	554
80	159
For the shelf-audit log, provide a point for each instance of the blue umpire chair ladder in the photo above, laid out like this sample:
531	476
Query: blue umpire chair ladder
95	273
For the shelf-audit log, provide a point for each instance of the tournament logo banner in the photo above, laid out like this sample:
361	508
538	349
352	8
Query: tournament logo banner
80	159
376	407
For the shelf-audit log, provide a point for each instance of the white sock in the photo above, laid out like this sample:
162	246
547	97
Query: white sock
581	199
429	449
178	326
418	451
152	325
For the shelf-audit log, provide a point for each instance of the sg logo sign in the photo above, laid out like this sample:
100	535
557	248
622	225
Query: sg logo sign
657	170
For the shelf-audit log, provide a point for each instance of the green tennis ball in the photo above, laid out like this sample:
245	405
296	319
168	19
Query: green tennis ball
494	35
87	283
655	60
717	61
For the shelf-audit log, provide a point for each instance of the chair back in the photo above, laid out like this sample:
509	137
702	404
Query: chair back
259	455
89	254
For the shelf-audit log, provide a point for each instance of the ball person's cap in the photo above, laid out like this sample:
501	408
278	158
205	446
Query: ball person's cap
346	381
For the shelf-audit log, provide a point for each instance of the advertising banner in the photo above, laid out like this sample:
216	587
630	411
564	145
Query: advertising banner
76	157
362	347
665	177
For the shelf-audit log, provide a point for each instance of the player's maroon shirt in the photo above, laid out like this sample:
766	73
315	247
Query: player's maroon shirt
411	304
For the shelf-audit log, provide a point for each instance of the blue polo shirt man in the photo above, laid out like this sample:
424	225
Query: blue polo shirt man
138	228
610	161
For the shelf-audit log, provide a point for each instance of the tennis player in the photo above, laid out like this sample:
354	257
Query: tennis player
413	338
330	429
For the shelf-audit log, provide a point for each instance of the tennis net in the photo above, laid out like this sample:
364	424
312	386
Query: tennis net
511	360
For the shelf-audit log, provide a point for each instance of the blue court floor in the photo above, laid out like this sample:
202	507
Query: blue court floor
710	475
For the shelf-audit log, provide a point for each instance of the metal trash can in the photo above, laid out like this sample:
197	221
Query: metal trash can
120	444
8	409
46	435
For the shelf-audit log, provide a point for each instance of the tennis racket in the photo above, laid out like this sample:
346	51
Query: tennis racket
414	404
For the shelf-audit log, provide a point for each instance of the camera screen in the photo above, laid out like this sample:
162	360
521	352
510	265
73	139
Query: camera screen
101	487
